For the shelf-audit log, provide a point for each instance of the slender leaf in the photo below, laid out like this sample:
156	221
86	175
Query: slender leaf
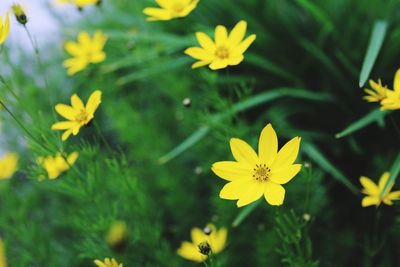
245	212
394	172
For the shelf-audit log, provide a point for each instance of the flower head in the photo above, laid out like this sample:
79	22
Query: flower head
86	51
4	28
77	114
3	260
117	233
8	165
377	93
252	175
55	166
203	243
108	263
170	9
80	3
19	14
392	100
374	191
226	50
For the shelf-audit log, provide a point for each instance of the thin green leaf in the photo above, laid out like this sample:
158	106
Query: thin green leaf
394	172
316	155
245	212
373	116
375	45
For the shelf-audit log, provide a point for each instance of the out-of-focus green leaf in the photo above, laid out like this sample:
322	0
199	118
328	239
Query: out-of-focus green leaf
245	212
374	46
373	116
317	13
394	172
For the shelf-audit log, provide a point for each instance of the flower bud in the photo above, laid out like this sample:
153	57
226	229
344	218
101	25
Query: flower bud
19	14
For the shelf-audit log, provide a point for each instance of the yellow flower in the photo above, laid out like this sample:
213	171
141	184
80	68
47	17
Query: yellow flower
8	165
252	175
3	260
4	28
170	9
87	50
377	93
80	3
374	191
117	233
392	100
108	263
77	114
55	166
204	242
225	51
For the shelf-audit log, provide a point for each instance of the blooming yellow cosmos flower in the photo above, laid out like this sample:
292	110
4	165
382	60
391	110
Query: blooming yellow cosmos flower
377	93
204	242
79	3
252	175
8	165
226	50
374	191
117	233
108	263
392	100
58	164
4	28
86	51
3	260
77	114
170	9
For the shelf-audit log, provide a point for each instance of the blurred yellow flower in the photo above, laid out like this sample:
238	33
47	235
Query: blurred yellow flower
77	114
8	165
4	28
252	175
79	3
108	263
204	242
374	191
3	260
58	164
170	9
87	50
225	50
117	233
377	93
392	100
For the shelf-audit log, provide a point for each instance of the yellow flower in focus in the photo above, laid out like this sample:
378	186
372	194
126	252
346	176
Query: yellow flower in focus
252	175
55	166
80	3
392	100
204	242
117	234
108	263
374	191
3	260
84	52
77	114
4	28
170	9
377	93
226	50
8	165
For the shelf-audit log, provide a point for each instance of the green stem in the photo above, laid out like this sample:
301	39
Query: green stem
103	139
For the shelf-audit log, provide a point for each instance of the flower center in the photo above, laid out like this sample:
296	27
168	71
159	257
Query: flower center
261	172
222	52
178	8
82	116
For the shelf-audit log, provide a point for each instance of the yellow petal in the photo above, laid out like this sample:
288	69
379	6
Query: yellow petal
287	155
93	102
198	53
76	102
98	57
84	39
242	47
283	176
72	158
73	49
205	41
369	201
3	260
233	61
157	13
250	192
66	111
396	82
197	235
382	182
233	189
8	165
370	187
164	3
191	252
66	134
218	240
219	64
238	32
242	152
221	35
268	145
274	194
231	170
199	64
63	125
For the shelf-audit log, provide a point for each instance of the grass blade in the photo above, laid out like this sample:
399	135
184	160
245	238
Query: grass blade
245	212
375	44
394	172
373	116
